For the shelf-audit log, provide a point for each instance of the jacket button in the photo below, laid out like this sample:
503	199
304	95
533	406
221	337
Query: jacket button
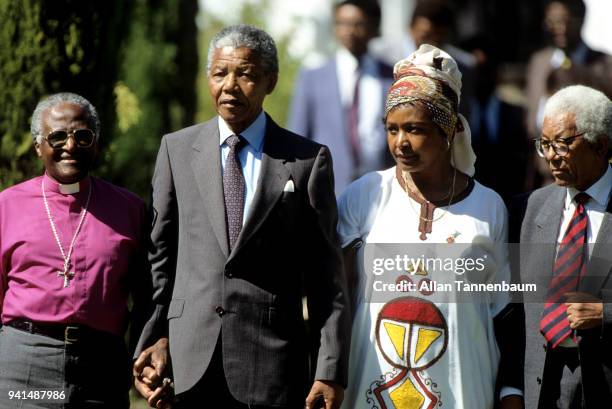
539	380
544	346
220	311
228	274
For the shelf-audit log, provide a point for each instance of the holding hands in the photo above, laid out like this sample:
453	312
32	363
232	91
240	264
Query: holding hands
151	375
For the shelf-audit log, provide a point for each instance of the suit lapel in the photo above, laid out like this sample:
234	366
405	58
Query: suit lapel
335	104
206	165
600	262
548	223
273	176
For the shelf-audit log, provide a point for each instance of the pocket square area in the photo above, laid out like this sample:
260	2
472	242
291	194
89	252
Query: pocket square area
289	186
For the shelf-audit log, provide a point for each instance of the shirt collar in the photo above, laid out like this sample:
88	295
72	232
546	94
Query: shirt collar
598	191
66	189
254	134
348	63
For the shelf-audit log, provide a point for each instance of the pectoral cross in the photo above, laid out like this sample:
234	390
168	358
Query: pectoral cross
66	274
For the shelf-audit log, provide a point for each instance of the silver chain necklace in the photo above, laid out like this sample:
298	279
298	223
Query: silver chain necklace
65	273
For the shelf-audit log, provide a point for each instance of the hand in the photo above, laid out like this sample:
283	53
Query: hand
512	402
324	395
149	371
584	310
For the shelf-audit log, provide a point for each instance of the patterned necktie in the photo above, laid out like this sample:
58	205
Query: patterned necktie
570	265
233	190
353	122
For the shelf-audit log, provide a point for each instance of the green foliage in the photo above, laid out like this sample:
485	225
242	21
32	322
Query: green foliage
23	51
156	92
136	61
48	47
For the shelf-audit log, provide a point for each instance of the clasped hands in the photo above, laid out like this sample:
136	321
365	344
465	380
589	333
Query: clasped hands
151	379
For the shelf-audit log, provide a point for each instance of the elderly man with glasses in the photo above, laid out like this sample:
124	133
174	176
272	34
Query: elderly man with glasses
71	252
566	243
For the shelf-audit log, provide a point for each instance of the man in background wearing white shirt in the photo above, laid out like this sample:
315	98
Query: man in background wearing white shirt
340	104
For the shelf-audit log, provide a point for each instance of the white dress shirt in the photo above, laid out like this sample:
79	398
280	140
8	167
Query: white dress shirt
371	103
249	156
595	207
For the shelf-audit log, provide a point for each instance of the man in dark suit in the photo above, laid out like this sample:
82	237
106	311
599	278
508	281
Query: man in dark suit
243	229
569	337
497	126
340	104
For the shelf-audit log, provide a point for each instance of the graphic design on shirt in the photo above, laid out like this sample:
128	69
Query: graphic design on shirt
416	270
411	335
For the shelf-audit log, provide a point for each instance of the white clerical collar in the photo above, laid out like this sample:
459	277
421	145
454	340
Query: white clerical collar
598	191
254	134
70	189
65	188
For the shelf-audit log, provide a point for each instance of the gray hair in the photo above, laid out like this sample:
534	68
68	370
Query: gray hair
592	108
56	99
244	35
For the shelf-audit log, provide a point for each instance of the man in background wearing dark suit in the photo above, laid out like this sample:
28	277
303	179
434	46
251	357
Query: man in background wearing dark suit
566	238
563	21
340	104
244	227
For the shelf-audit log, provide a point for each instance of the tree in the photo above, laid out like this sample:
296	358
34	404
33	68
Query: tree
156	90
48	47
135	61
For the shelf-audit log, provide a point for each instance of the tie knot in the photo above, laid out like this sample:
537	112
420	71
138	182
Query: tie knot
582	198
234	141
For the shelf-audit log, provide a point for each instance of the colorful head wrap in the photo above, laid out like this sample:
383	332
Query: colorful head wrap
430	76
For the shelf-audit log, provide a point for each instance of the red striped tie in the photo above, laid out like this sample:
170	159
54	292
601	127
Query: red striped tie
569	266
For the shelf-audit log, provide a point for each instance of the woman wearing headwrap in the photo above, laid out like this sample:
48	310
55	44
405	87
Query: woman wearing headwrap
417	342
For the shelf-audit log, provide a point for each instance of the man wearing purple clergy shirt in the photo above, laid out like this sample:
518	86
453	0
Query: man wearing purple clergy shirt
72	250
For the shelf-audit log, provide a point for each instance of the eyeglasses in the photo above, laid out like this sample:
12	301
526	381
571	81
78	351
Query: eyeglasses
560	146
83	138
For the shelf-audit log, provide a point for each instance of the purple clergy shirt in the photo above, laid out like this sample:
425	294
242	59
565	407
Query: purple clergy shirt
108	254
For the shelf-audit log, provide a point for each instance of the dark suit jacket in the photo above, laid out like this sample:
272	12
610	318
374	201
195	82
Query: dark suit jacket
511	139
539	234
317	113
251	296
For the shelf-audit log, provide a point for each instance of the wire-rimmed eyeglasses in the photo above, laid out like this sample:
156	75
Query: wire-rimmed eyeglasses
560	145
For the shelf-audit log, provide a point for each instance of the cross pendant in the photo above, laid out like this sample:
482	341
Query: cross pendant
67	276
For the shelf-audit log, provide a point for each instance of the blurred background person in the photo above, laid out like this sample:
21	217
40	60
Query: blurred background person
432	22
563	22
340	104
499	137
